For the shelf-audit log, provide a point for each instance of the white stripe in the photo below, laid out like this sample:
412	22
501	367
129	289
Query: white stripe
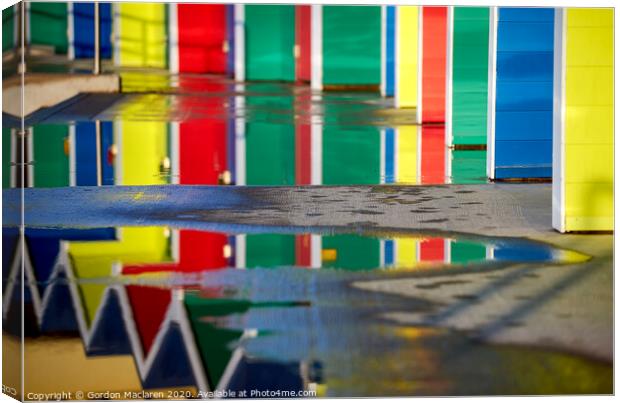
316	46
384	28
70	33
239	42
420	65
559	121
449	74
316	140
492	93
173	38
72	157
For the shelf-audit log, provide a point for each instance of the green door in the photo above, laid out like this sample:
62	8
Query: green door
48	25
470	75
8	28
270	161
51	159
351	252
351	155
469	166
269	42
351	45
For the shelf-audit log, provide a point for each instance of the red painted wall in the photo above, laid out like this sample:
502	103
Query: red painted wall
302	41
432	250
433	164
149	306
434	64
202	33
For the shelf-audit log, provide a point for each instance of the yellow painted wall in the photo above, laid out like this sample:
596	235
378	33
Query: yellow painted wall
407	57
142	34
406	252
407	154
589	120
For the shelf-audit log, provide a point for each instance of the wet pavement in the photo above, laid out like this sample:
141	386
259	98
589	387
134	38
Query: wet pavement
265	237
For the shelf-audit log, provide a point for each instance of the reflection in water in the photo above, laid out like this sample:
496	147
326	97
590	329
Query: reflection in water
204	310
172	301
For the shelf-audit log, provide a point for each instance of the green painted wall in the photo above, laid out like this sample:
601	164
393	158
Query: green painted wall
212	341
51	163
269	42
464	252
270	250
270	161
351	45
351	155
470	75
8	28
469	166
6	157
353	252
48	25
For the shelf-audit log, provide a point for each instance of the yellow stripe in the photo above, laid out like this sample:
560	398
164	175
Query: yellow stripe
406	252
407	57
142	34
589	120
407	154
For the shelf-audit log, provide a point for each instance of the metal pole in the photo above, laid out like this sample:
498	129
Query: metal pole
97	66
98	148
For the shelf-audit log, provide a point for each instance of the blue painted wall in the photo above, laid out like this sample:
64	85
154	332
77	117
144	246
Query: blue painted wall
86	156
524	103
84	30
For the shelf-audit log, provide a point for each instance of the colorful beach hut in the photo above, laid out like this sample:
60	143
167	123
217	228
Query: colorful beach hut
520	93
198	38
407	48
583	120
140	35
467	76
346	46
47	25
266	44
82	30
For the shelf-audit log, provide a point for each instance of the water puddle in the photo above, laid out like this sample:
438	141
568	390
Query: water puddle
260	312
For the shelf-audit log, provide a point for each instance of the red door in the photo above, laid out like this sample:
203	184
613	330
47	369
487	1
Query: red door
434	64
433	155
302	42
202	38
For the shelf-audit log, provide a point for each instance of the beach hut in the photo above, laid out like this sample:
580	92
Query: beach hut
83	154
519	128
82	30
407	56
47	25
432	105
583	120
140	35
266	44
467	76
432	155
346	46
198	38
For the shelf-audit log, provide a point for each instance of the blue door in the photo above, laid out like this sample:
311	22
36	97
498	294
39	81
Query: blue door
86	155
524	97
83	35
